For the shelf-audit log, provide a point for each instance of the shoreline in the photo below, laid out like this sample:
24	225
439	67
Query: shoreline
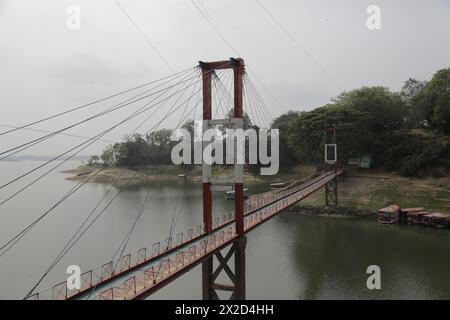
172	173
360	194
338	212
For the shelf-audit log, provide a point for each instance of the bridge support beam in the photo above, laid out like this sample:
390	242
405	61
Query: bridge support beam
208	68
237	278
207	115
238	72
331	195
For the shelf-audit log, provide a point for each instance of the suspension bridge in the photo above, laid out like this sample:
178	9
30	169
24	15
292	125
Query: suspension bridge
137	276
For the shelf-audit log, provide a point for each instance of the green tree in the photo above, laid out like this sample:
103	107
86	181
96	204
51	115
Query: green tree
287	156
411	94
306	133
189	125
246	119
108	156
384	109
433	102
93	160
441	115
436	101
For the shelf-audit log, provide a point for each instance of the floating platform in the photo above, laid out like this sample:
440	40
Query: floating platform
229	195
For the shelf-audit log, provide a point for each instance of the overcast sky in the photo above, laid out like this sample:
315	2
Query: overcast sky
47	68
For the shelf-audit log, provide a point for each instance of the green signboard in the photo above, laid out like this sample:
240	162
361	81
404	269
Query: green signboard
364	162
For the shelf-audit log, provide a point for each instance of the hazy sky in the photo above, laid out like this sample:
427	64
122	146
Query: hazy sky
46	68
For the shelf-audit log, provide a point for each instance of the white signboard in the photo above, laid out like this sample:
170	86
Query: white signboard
330	153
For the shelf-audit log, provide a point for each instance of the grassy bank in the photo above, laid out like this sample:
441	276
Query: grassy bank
372	191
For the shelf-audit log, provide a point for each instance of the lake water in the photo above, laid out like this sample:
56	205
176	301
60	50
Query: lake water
290	257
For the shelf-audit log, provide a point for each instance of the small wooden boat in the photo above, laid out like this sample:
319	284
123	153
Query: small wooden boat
389	215
416	217
182	176
407	210
436	220
229	195
277	185
405	213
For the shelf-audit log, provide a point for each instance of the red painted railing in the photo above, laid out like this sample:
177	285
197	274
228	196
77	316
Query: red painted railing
186	250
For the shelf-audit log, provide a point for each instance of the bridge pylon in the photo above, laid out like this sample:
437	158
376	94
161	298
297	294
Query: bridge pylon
208	68
210	287
331	163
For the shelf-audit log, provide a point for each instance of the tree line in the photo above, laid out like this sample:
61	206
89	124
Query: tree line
406	131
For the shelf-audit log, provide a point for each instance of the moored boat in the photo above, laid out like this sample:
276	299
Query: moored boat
416	217
405	213
436	220
389	215
407	210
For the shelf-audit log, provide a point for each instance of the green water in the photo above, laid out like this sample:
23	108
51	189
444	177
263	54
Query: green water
290	257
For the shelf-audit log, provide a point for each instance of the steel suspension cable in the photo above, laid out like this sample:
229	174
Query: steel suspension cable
148	131
91	103
259	104
261	101
14	240
248	104
20	235
48	131
220	94
143	208
252	106
72	242
227	93
87	143
125	242
205	14
147	40
107	111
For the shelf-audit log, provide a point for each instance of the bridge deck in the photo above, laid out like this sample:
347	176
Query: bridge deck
155	267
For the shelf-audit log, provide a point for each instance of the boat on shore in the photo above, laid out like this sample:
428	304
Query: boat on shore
436	220
419	216
389	214
415	216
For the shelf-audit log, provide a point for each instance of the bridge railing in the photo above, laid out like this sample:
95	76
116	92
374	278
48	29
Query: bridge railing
256	210
166	268
110	270
265	209
93	277
266	199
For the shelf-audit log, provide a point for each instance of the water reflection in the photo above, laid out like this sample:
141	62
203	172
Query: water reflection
335	254
292	256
